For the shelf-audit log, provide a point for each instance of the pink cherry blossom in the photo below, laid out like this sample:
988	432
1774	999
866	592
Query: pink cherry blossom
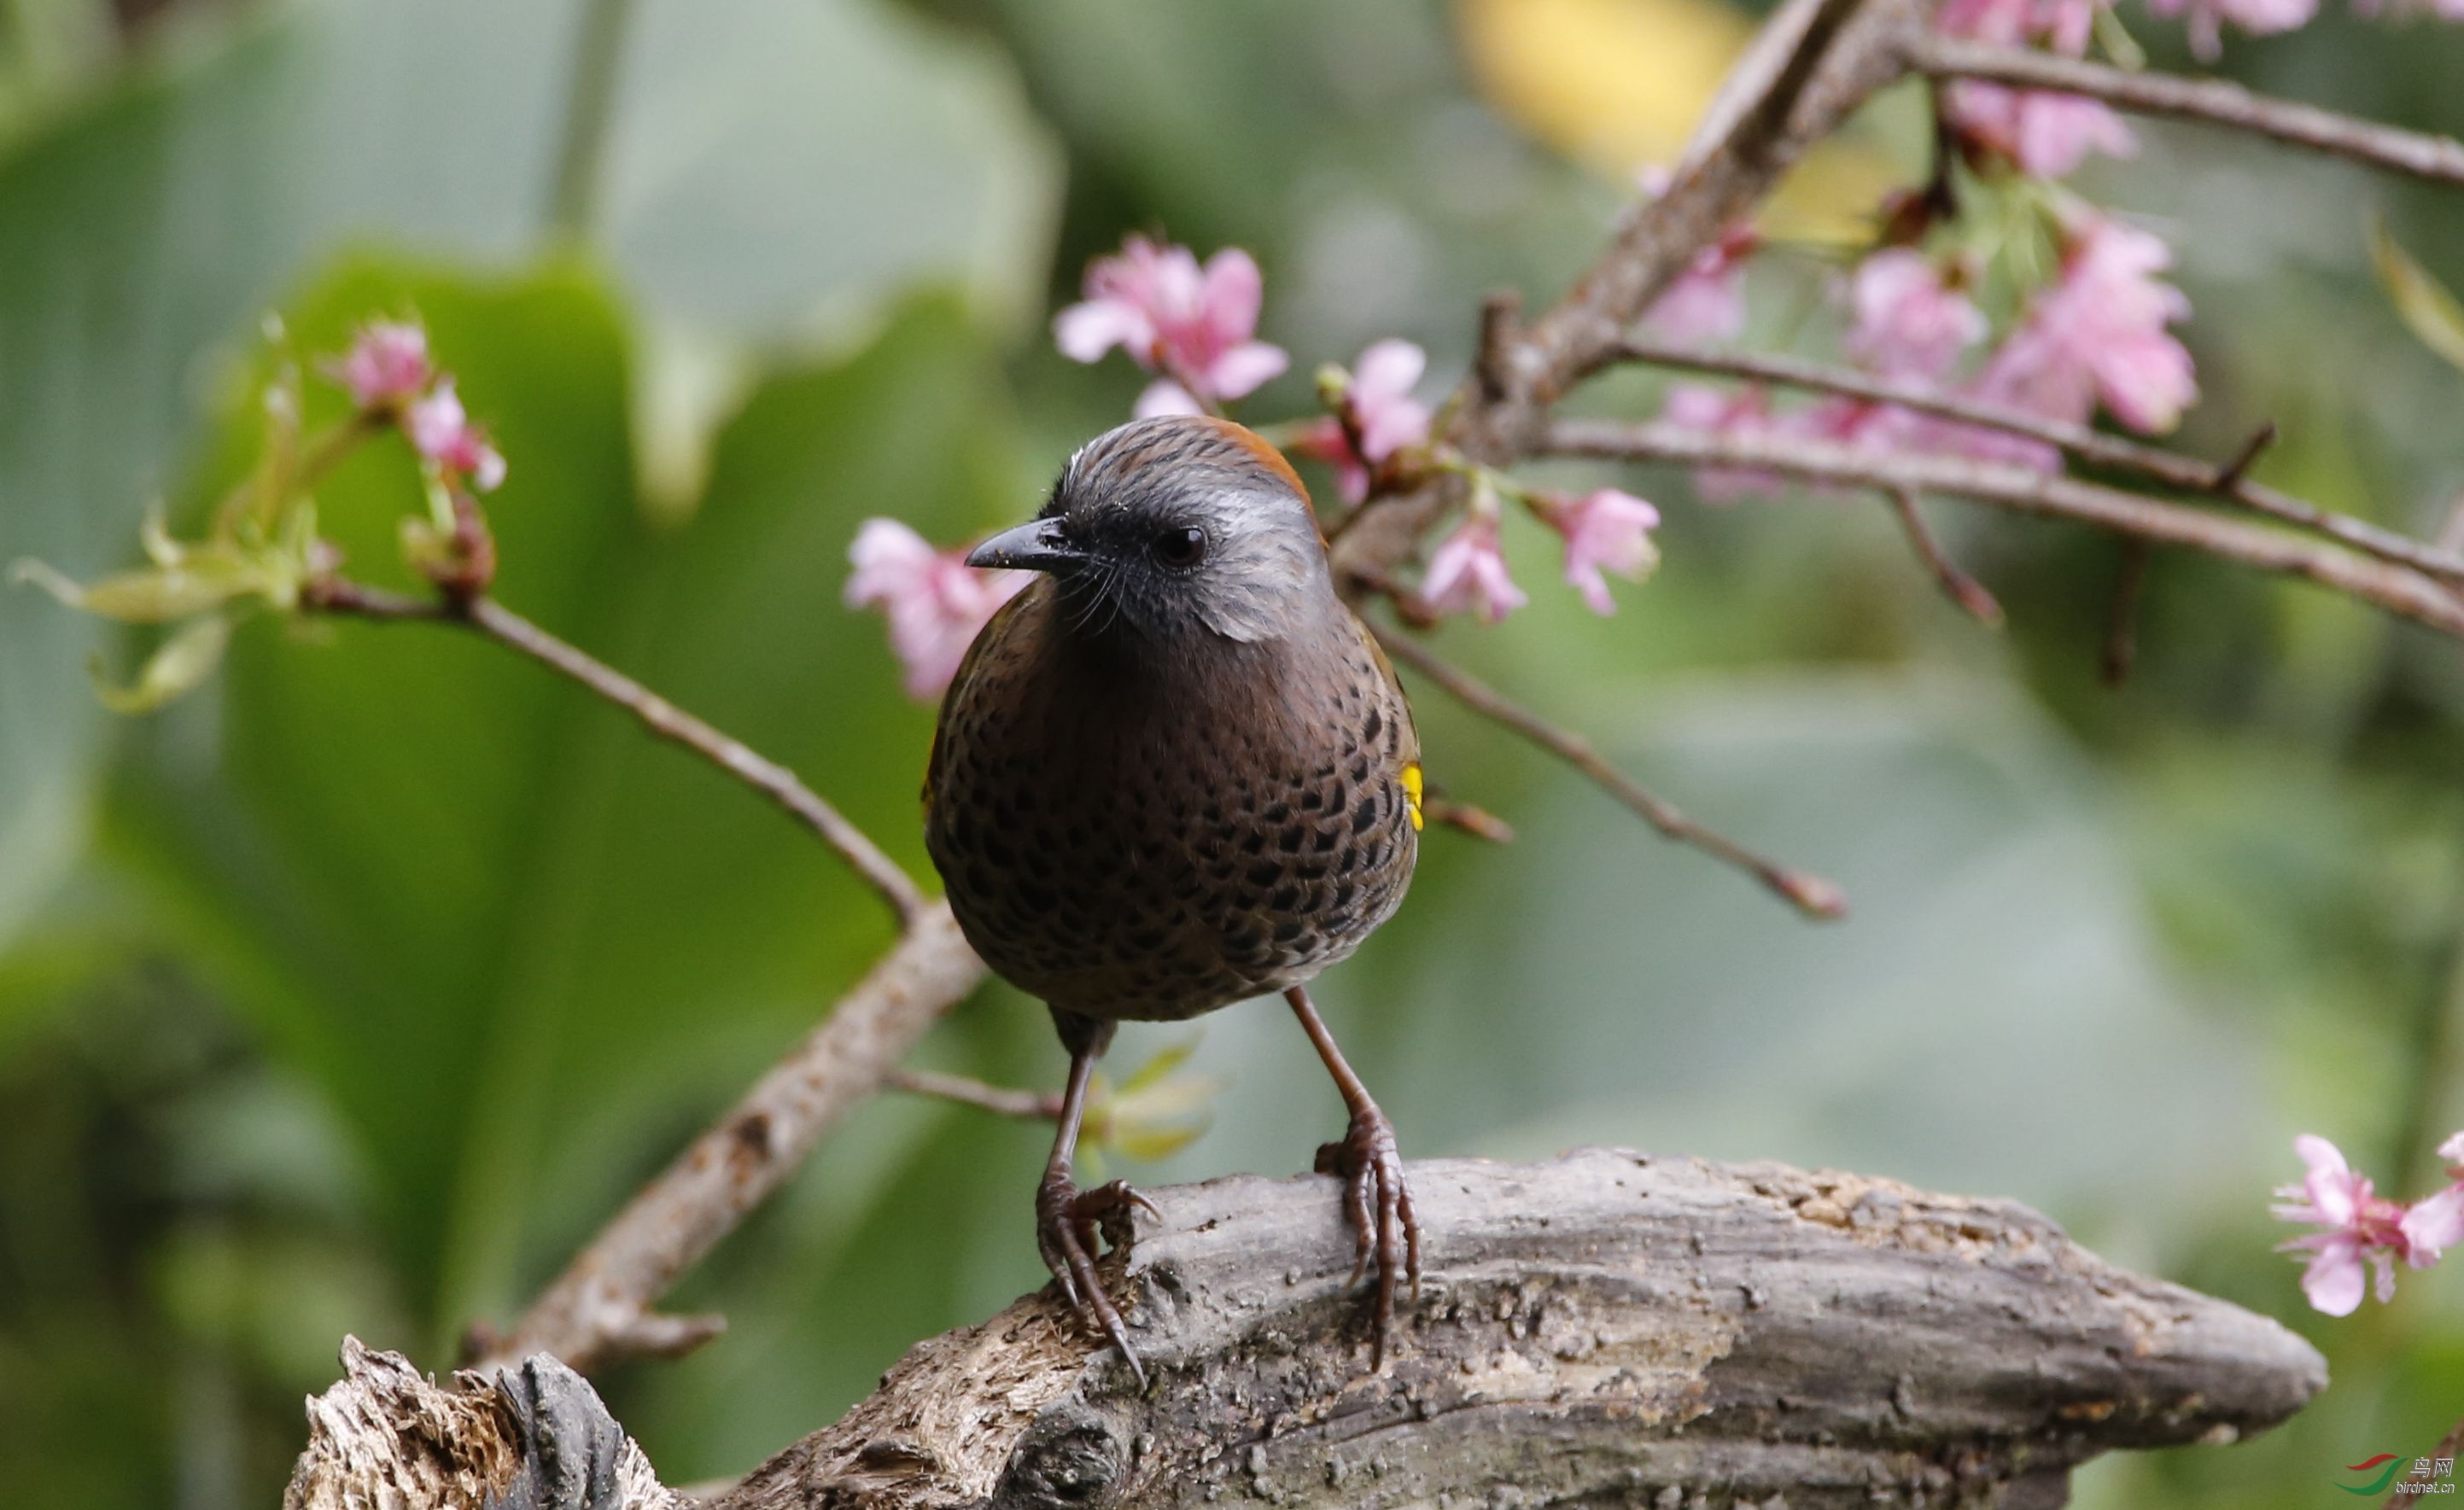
2099	333
1378	403
2360	1229
2206	19
1746	412
935	601
1606	530
1194	325
2048	135
1707	301
386	365
1467	573
1906	322
443	434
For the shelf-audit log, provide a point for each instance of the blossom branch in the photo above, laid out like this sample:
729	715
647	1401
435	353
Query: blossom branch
601	1309
1808	893
2440	160
2398	589
2188	473
341	597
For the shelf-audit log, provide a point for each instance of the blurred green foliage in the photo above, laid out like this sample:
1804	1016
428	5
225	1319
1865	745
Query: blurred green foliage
352	993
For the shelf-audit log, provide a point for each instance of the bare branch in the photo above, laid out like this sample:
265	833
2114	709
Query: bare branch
1808	893
588	1315
2169	468
1603	1329
2438	159
1965	590
342	598
2398	589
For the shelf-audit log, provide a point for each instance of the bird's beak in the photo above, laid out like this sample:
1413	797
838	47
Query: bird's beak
1035	546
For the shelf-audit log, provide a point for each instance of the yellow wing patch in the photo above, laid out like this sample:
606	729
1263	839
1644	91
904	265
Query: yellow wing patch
1412	792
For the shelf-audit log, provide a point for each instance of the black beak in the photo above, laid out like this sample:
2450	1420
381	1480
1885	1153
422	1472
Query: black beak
1035	546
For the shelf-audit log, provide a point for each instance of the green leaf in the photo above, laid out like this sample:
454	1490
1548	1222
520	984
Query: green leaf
180	665
2429	311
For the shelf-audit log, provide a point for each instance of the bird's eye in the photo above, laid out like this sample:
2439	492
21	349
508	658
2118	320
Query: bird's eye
1180	548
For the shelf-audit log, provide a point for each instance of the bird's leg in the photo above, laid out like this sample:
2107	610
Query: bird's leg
1070	1223
1380	1202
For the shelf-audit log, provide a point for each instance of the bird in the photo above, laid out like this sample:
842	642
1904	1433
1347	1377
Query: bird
1176	773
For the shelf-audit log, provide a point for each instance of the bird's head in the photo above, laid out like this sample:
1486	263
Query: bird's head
1172	527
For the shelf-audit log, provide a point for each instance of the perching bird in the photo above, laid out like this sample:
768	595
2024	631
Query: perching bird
1173	774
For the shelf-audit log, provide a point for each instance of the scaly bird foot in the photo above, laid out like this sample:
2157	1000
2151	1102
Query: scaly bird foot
1379	1203
1070	1225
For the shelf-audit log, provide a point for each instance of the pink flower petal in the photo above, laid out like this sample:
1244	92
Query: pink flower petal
1611	531
2432	1225
1232	294
2333	1280
1241	370
1467	573
1389	416
1085	332
386	365
1163	396
935	601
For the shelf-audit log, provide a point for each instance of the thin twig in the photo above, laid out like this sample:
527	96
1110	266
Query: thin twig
1965	590
1005	1100
2169	468
663	718
2122	621
2399	589
1478	821
1808	893
2438	159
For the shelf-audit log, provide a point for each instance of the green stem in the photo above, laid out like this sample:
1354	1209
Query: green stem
598	53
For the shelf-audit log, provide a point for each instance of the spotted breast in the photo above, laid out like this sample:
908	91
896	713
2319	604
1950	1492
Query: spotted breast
1153	837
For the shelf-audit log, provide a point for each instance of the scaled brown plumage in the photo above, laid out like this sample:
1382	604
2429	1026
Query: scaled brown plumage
1173	774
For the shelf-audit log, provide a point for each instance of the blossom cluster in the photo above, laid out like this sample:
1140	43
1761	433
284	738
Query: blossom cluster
263	551
2361	1233
390	377
1194	324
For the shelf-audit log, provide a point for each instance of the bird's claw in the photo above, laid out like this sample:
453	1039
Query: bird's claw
1071	1226
1379	1203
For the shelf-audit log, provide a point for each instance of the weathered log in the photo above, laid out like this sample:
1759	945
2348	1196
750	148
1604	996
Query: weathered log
1607	1328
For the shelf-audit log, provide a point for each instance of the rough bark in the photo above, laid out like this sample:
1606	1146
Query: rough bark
1607	1328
